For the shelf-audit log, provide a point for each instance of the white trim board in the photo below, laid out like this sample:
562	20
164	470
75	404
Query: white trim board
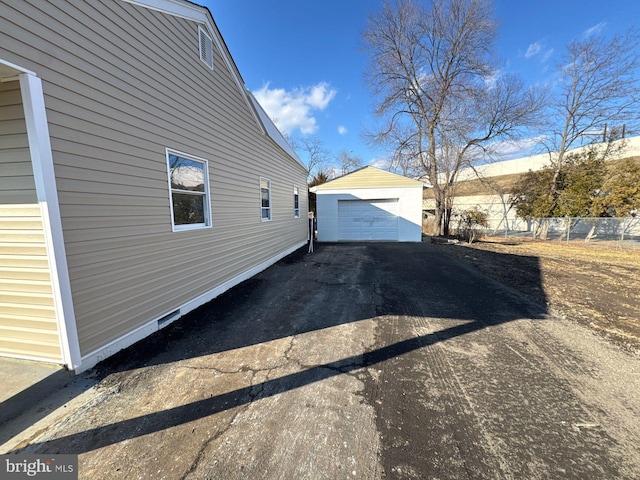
90	360
13	71
44	176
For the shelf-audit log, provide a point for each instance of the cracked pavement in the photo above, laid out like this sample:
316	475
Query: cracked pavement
359	361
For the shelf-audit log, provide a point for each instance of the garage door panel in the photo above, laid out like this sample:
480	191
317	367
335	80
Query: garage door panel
368	219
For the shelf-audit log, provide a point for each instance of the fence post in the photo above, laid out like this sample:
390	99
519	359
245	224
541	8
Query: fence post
624	221
568	230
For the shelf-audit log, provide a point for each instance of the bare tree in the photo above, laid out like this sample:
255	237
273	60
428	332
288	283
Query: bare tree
404	163
347	162
434	74
315	155
598	87
400	152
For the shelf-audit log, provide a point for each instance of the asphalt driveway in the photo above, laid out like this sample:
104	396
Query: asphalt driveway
359	361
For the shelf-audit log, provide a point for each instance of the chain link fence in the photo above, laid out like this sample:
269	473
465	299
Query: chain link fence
604	231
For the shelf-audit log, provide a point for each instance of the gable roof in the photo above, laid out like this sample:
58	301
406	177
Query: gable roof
369	177
200	14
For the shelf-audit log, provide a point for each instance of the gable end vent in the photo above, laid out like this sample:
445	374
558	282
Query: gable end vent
206	47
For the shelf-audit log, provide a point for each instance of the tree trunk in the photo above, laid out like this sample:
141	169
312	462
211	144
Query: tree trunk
438	221
446	222
544	229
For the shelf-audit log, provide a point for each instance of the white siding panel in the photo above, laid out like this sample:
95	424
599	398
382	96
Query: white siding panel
122	83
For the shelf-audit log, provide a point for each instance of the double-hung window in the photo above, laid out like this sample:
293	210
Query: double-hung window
265	199
189	189
296	202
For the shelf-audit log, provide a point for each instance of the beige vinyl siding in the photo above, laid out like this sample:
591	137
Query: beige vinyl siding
369	177
28	325
125	83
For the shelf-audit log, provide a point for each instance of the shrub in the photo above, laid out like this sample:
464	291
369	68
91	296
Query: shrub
472	224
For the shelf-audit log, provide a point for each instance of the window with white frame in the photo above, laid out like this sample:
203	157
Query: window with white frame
265	199
296	202
206	47
189	189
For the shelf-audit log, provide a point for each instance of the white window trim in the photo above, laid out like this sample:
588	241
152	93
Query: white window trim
296	193
207	195
205	57
270	201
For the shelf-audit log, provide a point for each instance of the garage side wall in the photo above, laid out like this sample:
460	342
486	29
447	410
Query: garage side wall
409	210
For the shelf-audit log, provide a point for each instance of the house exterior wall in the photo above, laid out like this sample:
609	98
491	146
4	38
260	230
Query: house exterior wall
409	210
28	325
122	83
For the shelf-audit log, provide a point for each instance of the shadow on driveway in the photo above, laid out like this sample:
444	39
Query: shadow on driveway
338	284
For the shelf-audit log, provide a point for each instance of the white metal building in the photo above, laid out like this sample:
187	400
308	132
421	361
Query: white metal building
487	187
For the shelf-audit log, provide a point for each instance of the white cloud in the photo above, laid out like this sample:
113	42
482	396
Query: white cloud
380	163
342	130
320	96
491	80
595	29
533	49
539	49
509	149
293	110
547	55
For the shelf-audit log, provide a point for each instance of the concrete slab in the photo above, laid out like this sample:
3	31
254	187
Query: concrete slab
26	383
18	375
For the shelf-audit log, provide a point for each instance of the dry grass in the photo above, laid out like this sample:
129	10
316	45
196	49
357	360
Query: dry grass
597	287
578	250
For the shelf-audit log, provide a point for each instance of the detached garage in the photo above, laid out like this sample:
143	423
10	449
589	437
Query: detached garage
369	205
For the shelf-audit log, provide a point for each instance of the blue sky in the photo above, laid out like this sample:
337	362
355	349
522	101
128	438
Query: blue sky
304	62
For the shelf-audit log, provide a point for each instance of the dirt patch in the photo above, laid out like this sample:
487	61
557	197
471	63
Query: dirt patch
597	287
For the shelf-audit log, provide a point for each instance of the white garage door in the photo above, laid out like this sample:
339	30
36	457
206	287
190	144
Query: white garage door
368	219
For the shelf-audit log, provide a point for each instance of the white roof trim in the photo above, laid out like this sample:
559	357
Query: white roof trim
200	14
10	72
179	8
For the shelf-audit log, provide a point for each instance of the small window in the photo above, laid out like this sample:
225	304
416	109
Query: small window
206	47
296	202
265	199
189	189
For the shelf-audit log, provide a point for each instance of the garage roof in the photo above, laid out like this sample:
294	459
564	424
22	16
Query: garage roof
369	177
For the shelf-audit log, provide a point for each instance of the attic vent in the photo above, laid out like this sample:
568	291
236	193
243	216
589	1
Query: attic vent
206	47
